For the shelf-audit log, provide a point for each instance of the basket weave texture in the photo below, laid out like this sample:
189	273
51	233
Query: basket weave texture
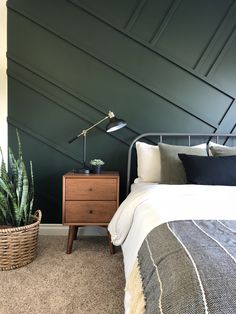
18	245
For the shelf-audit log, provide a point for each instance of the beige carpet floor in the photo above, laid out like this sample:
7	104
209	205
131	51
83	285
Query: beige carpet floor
89	280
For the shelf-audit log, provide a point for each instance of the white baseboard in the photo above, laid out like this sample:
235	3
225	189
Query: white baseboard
53	229
60	230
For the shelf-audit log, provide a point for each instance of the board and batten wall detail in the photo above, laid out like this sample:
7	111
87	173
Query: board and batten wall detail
162	65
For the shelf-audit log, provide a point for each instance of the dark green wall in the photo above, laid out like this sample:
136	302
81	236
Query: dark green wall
162	65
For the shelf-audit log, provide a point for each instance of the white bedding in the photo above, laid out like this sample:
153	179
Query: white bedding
149	205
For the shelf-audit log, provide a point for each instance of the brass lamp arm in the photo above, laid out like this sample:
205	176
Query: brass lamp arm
84	132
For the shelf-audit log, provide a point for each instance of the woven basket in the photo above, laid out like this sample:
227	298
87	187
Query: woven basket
18	245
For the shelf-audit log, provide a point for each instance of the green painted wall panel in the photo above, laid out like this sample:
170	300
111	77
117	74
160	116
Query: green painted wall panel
188	33
70	61
150	19
117	12
224	71
137	62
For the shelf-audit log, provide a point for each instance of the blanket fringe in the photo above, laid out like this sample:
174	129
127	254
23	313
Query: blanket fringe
136	303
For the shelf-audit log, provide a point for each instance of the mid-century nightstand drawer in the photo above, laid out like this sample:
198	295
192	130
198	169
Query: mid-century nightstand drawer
87	189
89	211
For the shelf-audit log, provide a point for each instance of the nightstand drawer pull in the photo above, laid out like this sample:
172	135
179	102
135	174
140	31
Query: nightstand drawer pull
90	211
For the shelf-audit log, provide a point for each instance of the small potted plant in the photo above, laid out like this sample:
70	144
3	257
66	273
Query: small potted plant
96	165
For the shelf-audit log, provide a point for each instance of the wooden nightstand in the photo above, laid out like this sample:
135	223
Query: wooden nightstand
89	200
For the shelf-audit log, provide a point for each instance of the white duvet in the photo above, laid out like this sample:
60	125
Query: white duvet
149	205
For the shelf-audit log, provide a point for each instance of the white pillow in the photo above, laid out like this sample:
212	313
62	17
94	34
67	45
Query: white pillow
211	144
149	163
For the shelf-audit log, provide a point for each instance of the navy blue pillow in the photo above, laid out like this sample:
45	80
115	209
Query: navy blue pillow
208	170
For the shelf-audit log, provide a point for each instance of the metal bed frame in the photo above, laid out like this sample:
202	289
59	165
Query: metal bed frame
216	136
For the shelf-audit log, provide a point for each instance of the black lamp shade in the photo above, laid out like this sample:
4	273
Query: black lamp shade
115	124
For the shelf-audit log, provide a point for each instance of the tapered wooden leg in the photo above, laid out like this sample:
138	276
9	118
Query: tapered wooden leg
111	246
71	237
76	231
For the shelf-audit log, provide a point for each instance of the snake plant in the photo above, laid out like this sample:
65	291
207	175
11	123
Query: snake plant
16	190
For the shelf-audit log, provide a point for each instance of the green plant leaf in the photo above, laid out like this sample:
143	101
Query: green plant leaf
31	192
24	197
6	217
20	154
5	187
3	173
3	208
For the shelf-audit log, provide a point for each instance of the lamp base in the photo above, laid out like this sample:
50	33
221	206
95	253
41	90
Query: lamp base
83	170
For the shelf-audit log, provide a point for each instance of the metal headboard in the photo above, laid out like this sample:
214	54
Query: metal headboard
173	135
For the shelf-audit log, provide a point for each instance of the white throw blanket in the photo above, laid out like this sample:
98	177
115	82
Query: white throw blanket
149	205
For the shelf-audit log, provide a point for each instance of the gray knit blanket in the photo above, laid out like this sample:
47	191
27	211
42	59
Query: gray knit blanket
189	267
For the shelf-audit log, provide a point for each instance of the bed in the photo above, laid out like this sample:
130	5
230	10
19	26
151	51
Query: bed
177	225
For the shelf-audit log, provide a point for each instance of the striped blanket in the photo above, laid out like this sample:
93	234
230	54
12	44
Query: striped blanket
187	267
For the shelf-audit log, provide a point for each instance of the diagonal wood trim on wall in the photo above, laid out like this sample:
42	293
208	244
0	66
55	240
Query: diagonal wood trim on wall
219	39
83	6
135	15
173	7
163	66
229	41
66	106
162	91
